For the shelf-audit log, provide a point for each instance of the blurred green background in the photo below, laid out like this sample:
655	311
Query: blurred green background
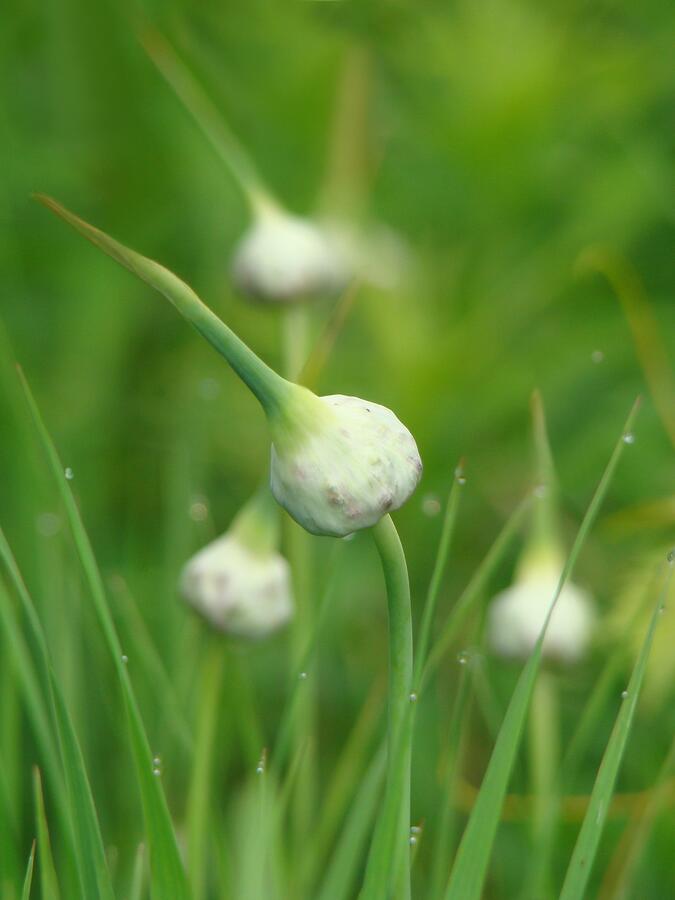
502	141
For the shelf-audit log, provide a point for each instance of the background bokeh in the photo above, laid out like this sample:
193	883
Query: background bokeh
502	142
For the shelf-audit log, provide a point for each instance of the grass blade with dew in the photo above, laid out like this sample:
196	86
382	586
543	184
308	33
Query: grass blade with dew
49	883
469	870
583	855
167	873
28	880
344	867
143	649
199	797
476	586
440	564
345	779
84	831
206	115
622	869
444	836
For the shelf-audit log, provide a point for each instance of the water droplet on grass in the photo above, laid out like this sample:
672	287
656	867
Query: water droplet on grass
125	658
68	472
431	505
629	438
412	840
624	694
156	771
302	676
413	697
199	510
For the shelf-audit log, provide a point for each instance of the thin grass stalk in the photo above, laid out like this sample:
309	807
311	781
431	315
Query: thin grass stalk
470	868
168	875
390	847
447	821
477	584
438	571
583	856
49	885
199	811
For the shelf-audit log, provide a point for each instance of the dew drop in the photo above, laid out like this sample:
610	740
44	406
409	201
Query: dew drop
412	840
629	438
125	658
431	505
68	472
156	761
415	829
48	524
460	477
302	676
156	771
624	694
199	510
463	658
413	697
259	769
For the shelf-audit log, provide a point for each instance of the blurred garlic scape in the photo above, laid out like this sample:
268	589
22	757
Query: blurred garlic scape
240	582
338	463
517	615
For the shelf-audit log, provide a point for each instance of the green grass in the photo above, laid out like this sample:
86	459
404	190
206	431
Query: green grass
511	149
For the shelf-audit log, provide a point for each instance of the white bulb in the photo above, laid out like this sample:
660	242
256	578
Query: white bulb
283	257
351	463
517	615
239	591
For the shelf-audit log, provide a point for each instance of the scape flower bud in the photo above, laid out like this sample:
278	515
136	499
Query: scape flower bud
345	467
339	463
283	258
517	615
239	582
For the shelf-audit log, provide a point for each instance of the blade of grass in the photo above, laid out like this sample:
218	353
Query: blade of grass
476	586
206	115
167	873
447	531
49	883
199	807
84	826
28	880
468	873
138	875
342	872
583	855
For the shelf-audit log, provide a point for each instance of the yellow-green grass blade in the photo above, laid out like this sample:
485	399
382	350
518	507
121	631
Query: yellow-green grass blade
585	849
86	835
49	884
470	867
167	874
440	564
28	880
138	875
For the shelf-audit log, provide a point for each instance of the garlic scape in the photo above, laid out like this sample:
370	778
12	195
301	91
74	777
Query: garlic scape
281	257
338	464
517	615
240	582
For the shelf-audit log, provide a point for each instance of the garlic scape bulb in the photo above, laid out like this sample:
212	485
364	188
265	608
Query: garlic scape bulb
240	582
282	258
517	615
338	463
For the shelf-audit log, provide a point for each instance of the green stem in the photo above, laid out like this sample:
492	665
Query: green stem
271	390
544	759
199	800
208	118
391	831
